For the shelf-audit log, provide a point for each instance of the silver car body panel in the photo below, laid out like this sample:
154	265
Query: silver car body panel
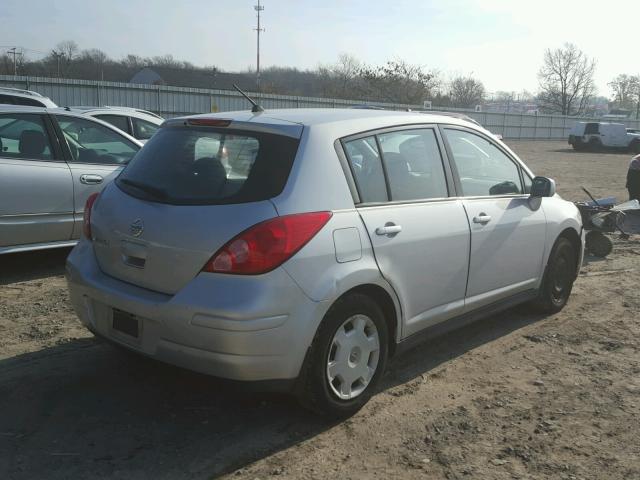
36	201
178	239
42	201
498	268
259	327
427	262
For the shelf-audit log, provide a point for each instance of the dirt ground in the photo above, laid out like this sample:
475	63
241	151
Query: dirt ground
516	396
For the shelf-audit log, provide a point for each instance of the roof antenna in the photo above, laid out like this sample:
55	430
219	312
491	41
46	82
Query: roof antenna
256	108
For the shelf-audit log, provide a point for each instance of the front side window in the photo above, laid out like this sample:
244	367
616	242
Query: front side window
142	129
413	164
118	121
364	159
24	136
482	167
207	166
90	142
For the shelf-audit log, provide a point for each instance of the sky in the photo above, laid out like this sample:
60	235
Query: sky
500	42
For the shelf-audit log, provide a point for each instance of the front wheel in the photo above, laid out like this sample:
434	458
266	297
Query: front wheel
347	358
558	277
635	147
598	243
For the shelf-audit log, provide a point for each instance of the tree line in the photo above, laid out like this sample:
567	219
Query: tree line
566	78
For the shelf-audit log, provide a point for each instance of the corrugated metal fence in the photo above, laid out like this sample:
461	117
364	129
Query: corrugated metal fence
171	101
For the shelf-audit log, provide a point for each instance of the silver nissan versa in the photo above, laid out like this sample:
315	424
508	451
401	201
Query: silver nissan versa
303	248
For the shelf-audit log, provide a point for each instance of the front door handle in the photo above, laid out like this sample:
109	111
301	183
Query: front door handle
483	218
389	230
88	179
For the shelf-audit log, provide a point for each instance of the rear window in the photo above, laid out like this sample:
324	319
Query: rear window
591	129
203	166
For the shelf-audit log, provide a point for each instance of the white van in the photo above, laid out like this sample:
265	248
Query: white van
597	135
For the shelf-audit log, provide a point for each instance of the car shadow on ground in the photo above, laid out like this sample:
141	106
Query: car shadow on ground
85	409
21	267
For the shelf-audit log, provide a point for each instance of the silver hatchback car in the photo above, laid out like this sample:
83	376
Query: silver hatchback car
303	248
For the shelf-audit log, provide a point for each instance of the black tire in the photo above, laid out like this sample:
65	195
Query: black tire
634	147
595	145
578	146
598	244
558	277
314	391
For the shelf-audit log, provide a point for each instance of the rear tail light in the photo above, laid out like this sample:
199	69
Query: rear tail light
267	245
86	219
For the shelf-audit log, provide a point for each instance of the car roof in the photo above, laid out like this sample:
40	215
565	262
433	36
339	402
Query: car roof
18	92
348	119
130	111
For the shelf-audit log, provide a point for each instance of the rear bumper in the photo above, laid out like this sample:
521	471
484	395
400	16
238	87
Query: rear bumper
247	328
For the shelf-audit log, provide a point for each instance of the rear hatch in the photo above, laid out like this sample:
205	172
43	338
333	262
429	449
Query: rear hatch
192	188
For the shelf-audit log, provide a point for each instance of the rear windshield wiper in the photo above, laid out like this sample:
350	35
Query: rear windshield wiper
155	191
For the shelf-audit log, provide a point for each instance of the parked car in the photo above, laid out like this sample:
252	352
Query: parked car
597	135
343	237
51	161
16	96
140	124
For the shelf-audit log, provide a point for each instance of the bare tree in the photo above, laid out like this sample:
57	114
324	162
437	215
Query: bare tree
340	79
69	48
92	61
466	92
626	90
398	81
62	56
566	80
133	61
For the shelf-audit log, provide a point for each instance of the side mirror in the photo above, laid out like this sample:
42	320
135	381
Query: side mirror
543	187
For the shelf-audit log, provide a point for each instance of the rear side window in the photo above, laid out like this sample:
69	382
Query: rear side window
24	136
591	129
27	102
413	164
204	166
118	121
366	166
142	129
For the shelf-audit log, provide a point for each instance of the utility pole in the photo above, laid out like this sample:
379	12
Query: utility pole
15	66
57	55
258	8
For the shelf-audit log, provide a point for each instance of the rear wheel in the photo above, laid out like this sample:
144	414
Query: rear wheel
595	145
558	277
347	358
635	146
598	244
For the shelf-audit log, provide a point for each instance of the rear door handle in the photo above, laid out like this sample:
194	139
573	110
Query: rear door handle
482	218
388	230
89	179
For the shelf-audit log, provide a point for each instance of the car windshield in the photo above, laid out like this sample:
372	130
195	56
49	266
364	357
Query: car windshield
197	166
